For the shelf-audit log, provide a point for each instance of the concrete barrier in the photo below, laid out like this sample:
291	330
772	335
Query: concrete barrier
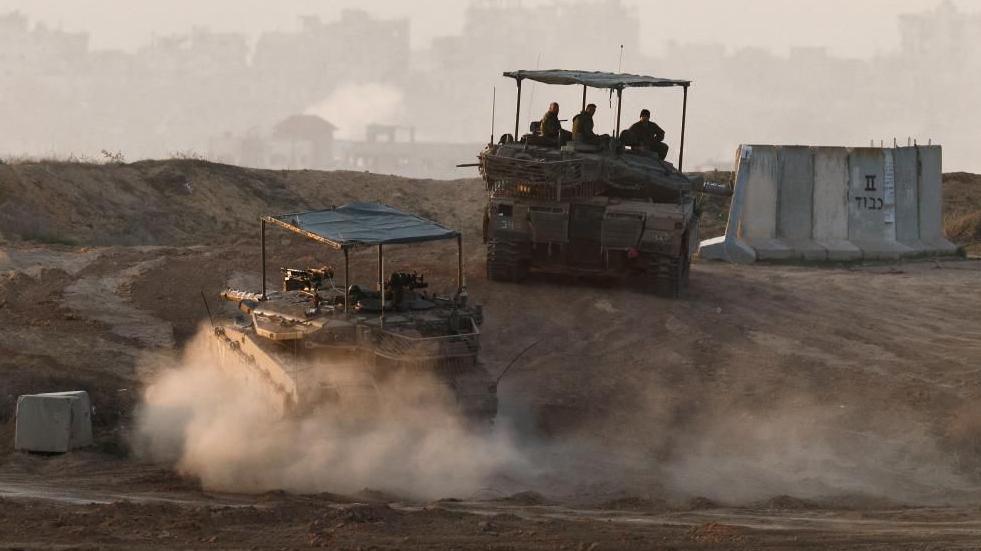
729	247
55	422
833	204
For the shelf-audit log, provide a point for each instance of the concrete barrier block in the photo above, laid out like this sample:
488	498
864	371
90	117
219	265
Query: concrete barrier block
759	220
730	247
43	424
930	190
907	197
795	193
834	203
830	213
866	200
55	422
871	210
795	202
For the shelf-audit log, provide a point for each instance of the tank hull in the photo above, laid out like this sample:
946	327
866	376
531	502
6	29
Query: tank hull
588	213
306	358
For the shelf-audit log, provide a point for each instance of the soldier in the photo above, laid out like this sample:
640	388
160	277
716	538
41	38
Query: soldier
646	134
582	128
551	126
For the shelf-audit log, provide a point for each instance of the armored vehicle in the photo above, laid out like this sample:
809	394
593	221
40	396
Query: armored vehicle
317	339
558	205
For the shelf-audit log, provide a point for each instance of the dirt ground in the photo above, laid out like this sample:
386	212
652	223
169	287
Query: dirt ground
776	407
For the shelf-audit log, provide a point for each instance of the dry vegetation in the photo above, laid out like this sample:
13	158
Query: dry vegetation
962	210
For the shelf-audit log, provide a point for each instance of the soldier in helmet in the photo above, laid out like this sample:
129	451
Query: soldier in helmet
551	126
646	134
582	128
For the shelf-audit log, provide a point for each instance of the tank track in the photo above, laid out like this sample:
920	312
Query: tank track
505	261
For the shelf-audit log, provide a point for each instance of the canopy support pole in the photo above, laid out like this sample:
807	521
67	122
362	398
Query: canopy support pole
262	238
517	111
347	281
583	97
684	114
619	104
459	264
381	282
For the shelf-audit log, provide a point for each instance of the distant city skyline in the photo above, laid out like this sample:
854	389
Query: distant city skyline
206	89
845	27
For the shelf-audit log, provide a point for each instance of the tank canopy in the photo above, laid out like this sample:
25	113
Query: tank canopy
362	224
596	79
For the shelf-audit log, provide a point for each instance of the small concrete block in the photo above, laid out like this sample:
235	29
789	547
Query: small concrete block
53	422
44	424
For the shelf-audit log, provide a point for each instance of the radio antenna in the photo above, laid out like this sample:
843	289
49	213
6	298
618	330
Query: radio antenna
538	65
619	98
493	114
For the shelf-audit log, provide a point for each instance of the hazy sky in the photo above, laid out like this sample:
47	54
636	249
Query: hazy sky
856	28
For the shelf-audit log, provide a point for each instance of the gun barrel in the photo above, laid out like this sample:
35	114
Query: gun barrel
716	188
236	295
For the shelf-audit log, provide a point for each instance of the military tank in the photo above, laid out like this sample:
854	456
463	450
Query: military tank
317	340
607	209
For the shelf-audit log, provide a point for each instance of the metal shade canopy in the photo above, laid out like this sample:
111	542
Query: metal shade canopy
362	224
599	79
595	79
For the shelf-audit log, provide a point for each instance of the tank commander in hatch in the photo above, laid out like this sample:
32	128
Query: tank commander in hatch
646	134
582	128
551	127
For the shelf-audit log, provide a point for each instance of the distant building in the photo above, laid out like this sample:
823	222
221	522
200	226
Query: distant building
302	141
945	33
391	149
298	141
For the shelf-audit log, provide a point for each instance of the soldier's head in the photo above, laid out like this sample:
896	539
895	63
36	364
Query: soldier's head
553	108
591	108
645	115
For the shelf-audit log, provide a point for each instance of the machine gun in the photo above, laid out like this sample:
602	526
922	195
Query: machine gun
405	280
401	285
310	279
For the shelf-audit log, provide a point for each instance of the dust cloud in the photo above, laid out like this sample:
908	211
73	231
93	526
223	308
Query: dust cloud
812	452
223	430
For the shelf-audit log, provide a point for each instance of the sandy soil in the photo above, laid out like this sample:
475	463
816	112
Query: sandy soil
777	407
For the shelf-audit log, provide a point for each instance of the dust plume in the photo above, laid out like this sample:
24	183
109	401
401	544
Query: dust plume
224	430
657	440
738	452
812	452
